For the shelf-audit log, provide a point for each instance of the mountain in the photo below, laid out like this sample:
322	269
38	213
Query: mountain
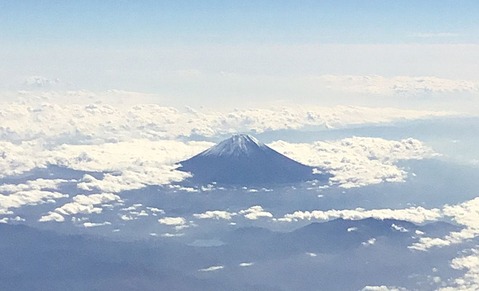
34	259
335	236
243	160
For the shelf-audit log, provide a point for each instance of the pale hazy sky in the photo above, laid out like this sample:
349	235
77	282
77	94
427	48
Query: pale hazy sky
230	52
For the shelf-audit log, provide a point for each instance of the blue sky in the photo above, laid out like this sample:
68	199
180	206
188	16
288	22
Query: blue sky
203	51
240	21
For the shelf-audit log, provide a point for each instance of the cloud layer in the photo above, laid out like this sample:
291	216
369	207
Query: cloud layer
413	214
398	85
73	123
81	205
357	161
465	214
34	192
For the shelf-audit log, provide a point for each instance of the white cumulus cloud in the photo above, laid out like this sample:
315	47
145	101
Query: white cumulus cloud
357	161
81	204
413	214
27	197
71	122
470	280
255	212
215	214
465	214
95	224
173	221
211	269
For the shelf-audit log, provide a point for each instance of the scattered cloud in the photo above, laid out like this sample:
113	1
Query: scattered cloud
465	214
357	161
38	184
155	210
413	214
172	234
18	158
369	242
32	192
52	216
27	197
215	214
92	224
81	204
399	228
470	280
135	212
15	219
133	215
255	212
172	221
211	269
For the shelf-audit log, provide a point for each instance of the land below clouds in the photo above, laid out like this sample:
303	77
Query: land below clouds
246	259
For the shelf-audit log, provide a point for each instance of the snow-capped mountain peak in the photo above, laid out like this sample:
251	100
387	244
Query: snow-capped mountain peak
237	145
243	160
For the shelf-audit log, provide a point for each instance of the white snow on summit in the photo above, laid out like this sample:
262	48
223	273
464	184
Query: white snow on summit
238	144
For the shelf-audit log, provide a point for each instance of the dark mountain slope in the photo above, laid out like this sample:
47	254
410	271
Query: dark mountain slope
243	160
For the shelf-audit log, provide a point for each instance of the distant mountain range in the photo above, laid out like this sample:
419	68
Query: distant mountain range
319	253
338	235
243	160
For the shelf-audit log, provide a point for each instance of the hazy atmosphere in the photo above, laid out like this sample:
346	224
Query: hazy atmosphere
239	145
